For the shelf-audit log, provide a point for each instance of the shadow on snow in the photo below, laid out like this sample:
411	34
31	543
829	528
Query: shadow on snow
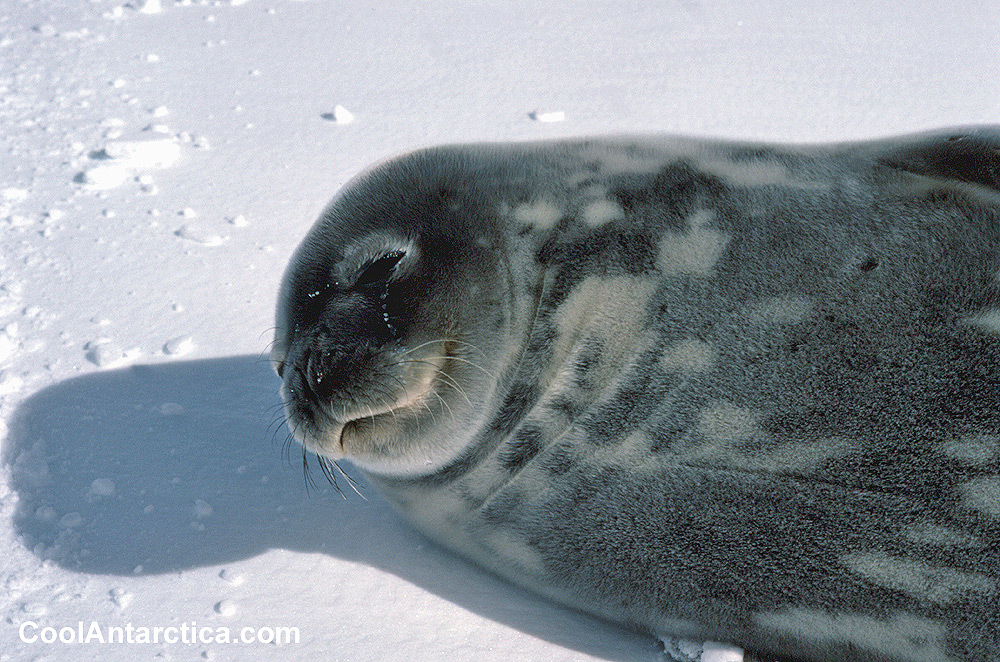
161	468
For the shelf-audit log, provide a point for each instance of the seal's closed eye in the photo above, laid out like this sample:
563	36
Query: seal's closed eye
380	269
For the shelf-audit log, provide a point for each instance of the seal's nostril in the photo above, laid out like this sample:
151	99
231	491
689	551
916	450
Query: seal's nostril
314	373
325	372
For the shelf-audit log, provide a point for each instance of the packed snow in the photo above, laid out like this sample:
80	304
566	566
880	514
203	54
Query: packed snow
163	158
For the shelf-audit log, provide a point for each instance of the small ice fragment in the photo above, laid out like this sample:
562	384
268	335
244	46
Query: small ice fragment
239	221
198	235
152	57
179	345
55	214
121	597
45	513
102	487
10	384
187	212
231	577
103	177
202	509
150	6
547	116
340	115
105	354
225	608
677	648
70	520
160	111
35	609
7	341
14	194
154	153
237	3
171	409
715	652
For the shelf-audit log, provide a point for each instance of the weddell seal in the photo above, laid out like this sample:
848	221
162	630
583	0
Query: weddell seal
739	392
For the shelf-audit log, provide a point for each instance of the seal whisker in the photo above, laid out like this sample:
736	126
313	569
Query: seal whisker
474	365
277	420
444	341
448	379
276	406
423	344
430	412
286	448
446	405
306	474
324	465
452	357
455	341
350	481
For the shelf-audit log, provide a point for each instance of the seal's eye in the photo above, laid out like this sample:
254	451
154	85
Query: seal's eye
380	269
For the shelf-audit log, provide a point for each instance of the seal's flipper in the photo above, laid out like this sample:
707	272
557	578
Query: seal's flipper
971	156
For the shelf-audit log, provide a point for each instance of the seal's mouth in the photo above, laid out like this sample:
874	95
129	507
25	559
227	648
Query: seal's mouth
411	401
354	430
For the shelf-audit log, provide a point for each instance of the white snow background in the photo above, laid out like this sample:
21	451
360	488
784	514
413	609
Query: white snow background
160	162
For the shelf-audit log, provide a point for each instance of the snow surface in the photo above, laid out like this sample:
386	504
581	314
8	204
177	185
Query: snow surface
162	160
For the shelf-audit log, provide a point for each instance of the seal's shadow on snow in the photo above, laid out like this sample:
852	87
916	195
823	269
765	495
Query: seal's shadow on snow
160	468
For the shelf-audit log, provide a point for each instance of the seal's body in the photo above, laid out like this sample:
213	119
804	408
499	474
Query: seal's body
748	393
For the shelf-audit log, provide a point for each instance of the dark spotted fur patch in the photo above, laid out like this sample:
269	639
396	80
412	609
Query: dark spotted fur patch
523	445
520	400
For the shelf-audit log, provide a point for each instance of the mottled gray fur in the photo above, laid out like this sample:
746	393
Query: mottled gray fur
741	392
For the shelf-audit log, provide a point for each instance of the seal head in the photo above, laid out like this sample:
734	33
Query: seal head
390	312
